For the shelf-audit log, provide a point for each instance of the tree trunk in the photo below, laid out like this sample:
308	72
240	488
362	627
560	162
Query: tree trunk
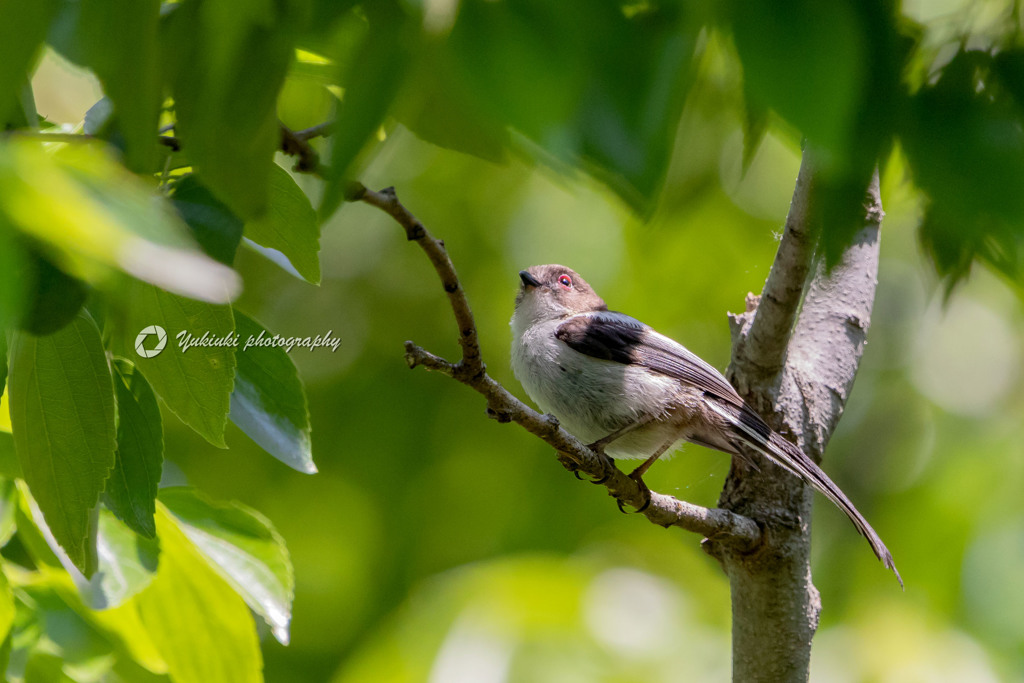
797	375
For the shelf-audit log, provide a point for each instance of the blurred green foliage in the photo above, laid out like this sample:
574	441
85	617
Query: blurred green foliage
652	146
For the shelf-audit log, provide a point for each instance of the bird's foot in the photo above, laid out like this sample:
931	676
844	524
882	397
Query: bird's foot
609	466
570	464
637	476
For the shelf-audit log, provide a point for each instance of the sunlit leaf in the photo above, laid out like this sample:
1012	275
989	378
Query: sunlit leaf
200	625
131	489
30	523
290	225
127	564
93	215
3	360
268	402
46	667
126	561
195	383
244	547
62	414
6	607
119	626
8	503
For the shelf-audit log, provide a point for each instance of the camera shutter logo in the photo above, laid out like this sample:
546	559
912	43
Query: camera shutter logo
161	341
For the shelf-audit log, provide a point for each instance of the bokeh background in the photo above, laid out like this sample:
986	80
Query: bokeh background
437	545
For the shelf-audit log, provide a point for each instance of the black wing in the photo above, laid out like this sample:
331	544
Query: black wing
617	337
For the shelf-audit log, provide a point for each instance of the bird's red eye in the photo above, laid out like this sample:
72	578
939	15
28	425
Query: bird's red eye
565	281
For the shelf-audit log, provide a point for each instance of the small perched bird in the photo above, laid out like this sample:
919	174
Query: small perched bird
630	392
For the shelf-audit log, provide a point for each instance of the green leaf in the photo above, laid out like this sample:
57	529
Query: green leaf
614	112
963	138
98	117
93	216
214	227
29	520
755	125
11	286
220	55
23	114
8	505
10	468
131	488
55	298
127	565
119	626
244	547
820	97
3	359
195	383
21	32
372	78
46	667
120	40
127	562
201	626
268	402
6	607
442	111
289	226
62	415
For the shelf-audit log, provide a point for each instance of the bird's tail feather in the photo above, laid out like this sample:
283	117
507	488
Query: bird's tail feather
785	454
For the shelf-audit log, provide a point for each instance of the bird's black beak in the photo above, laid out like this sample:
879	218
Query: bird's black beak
528	280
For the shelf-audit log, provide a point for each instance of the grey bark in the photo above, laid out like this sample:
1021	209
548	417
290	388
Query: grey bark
801	388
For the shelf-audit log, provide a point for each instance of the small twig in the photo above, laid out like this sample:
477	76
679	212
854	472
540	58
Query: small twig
386	200
294	145
725	526
320	130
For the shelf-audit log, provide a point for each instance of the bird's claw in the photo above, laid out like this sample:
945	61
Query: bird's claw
598	447
637	476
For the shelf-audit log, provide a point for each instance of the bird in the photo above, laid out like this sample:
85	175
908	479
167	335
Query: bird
630	392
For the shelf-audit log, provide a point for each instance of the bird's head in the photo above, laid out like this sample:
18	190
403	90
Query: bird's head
554	291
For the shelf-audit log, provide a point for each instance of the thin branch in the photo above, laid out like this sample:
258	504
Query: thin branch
760	350
293	143
296	144
737	531
320	130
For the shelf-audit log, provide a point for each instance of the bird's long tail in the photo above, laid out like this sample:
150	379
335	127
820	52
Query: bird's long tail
754	432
